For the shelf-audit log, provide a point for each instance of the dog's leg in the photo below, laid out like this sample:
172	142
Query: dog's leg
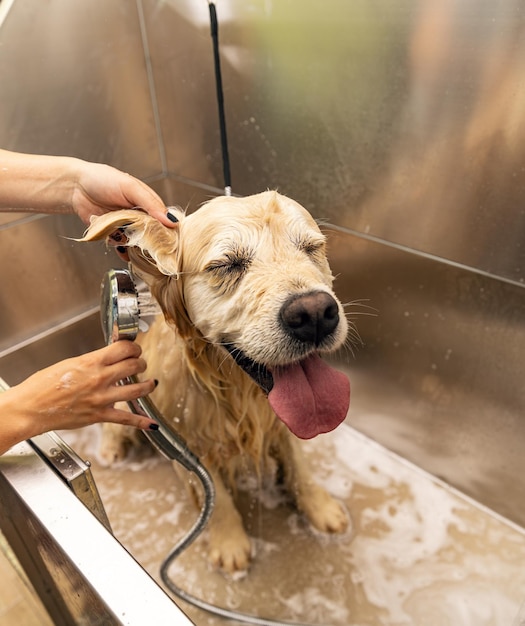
114	443
116	440
228	544
325	513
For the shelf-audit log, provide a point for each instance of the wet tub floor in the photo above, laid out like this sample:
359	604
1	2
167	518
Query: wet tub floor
419	553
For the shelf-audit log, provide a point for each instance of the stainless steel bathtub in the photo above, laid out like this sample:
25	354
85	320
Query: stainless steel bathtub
400	123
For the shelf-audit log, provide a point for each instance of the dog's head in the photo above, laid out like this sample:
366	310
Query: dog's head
250	276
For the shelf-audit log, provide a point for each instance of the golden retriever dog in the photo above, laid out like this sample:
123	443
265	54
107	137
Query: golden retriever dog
246	292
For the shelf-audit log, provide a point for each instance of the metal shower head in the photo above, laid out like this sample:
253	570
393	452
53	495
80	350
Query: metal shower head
119	306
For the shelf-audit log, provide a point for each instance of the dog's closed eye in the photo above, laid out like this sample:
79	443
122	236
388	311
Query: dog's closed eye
314	248
227	271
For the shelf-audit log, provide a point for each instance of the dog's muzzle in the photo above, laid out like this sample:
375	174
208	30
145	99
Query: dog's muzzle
308	395
308	320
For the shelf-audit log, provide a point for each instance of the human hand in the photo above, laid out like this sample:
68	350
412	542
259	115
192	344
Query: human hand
74	393
101	188
61	184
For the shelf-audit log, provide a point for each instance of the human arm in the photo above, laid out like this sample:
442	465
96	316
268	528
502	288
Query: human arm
74	393
61	184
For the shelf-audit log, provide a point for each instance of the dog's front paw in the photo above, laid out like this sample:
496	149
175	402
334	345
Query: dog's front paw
325	513
232	552
116	442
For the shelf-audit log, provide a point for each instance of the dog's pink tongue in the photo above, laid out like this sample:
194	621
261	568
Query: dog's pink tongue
310	397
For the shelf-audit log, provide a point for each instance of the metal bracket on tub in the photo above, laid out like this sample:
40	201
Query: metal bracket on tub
73	470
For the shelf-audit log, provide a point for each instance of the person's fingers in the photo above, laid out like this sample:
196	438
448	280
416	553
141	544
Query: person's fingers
163	217
118	361
125	368
119	351
132	391
142	196
126	418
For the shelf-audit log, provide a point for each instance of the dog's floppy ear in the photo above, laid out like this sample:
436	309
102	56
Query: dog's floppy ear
158	246
154	253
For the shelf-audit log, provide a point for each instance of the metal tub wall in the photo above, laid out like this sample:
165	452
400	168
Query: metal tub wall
436	378
398	122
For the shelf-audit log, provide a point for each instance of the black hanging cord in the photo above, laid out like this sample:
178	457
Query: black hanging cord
220	99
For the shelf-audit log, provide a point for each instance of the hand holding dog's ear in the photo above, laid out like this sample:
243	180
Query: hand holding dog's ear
60	184
101	188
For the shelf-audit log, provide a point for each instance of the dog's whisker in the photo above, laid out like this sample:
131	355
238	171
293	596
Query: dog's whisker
360	301
361	304
353	335
351	315
223	344
348	346
355	340
225	360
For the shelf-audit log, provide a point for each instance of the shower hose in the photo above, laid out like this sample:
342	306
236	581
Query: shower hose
174	448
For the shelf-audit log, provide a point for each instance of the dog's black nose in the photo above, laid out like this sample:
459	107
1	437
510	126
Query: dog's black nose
310	317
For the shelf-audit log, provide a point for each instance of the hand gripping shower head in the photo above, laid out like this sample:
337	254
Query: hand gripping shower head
121	308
